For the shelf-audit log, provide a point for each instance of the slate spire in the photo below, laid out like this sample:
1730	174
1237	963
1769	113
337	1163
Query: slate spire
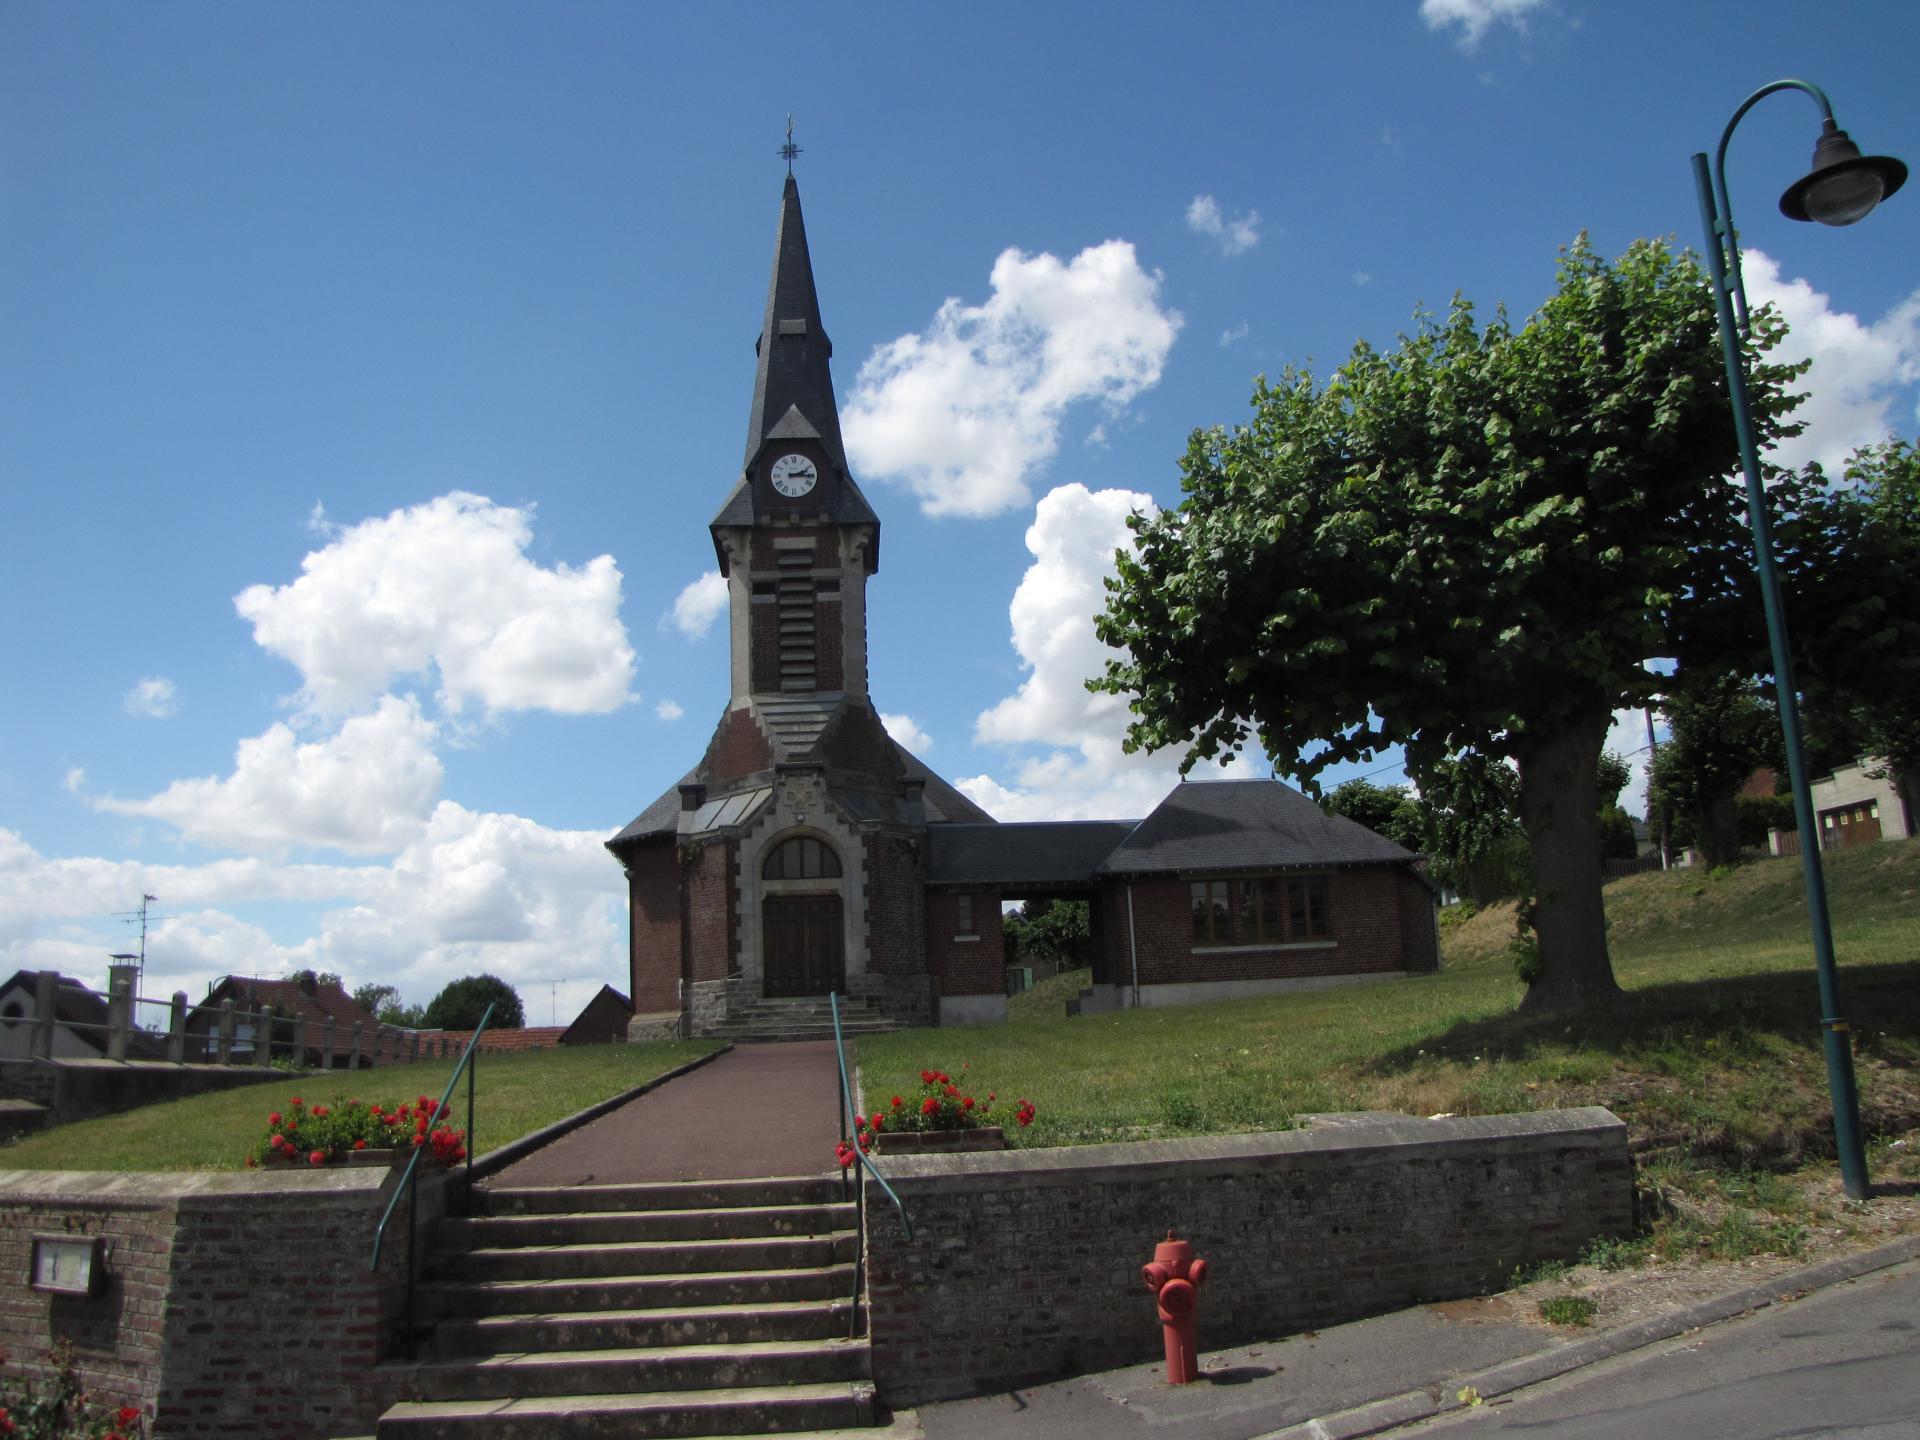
793	349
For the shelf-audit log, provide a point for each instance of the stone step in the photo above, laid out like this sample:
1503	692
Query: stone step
681	1195
672	1257
467	1301
499	1232
629	1371
753	1411
611	1329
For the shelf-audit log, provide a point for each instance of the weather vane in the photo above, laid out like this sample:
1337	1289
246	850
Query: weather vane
789	150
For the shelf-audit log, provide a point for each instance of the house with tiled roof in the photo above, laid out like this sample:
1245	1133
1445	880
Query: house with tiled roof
807	852
329	1012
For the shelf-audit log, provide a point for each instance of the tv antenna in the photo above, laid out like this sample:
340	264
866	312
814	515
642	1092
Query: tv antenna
142	916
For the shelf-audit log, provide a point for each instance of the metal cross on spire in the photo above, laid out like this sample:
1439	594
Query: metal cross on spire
789	150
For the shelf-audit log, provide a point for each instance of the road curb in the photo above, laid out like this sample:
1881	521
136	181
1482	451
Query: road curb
1412	1405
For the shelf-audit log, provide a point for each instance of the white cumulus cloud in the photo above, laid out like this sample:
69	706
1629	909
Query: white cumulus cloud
1068	763
965	413
908	732
668	710
447	587
154	698
364	790
1234	234
1860	370
699	605
1476	17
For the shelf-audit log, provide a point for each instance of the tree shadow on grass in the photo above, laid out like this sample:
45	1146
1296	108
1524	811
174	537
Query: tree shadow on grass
1880	1001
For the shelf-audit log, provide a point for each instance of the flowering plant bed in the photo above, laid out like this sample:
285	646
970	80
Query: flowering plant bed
943	1117
60	1406
358	1133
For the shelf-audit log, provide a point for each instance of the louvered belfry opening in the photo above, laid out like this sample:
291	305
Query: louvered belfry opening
795	598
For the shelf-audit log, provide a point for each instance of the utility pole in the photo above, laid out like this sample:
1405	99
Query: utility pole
1653	750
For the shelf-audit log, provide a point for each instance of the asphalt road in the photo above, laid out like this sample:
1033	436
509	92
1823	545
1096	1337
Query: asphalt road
1843	1364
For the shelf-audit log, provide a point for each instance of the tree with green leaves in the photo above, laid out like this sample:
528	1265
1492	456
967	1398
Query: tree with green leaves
1719	732
464	1001
1853	600
384	1004
1389	810
1467	544
1056	932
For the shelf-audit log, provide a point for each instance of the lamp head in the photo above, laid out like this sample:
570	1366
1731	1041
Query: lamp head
1843	184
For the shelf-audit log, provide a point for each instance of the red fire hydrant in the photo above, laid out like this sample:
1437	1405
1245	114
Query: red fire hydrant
1175	1278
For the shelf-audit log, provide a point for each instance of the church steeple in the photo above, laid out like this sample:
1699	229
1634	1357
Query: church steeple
792	386
793	412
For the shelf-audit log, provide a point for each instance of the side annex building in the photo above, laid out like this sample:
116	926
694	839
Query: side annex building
809	852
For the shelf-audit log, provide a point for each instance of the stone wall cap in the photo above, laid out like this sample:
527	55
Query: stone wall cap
1073	1163
192	1188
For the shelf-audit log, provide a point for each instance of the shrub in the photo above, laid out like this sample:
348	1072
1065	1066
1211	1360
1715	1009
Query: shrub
940	1105
1568	1310
316	1134
61	1407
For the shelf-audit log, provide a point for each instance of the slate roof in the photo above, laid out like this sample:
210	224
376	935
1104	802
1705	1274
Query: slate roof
83	1011
944	804
1050	852
1246	825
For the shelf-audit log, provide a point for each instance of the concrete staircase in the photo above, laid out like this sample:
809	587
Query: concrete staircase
703	1309
806	1017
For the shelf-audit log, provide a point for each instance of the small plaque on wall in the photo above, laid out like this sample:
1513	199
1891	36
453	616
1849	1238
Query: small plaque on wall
68	1264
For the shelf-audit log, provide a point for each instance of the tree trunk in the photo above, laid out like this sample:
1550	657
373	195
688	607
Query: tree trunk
1716	830
1559	805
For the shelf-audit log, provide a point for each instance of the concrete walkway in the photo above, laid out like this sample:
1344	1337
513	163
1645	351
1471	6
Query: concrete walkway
756	1112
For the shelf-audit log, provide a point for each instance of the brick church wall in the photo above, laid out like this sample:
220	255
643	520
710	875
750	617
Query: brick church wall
858	742
737	748
966	964
712	937
653	909
896	907
1366	914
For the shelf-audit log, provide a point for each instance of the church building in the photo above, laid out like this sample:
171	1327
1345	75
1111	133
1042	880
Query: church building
809	852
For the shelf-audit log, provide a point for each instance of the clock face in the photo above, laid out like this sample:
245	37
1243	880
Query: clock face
794	475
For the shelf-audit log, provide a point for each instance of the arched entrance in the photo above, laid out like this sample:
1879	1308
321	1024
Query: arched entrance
802	938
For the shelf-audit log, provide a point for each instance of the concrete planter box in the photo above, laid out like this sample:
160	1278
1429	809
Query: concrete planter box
942	1142
281	1160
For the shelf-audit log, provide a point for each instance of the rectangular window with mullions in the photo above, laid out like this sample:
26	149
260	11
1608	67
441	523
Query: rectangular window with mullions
963	915
1212	920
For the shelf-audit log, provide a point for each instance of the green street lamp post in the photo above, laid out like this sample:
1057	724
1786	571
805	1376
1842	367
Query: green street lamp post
1842	187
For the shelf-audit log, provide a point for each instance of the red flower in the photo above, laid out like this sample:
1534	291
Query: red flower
318	1157
878	1119
992	1096
418	1141
319	1112
967	1103
929	1105
926	1077
953	1090
274	1118
897	1102
128	1415
359	1144
295	1102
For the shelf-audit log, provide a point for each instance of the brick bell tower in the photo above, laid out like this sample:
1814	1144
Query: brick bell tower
789	862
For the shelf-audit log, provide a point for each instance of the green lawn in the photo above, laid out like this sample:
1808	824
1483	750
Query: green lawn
516	1095
1713	1052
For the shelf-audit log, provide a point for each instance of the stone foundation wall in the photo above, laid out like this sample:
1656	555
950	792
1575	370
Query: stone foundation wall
235	1304
1025	1265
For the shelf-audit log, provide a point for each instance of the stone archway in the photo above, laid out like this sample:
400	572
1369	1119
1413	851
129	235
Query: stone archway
802	929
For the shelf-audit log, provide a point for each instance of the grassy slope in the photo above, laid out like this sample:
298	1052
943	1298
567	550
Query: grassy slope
517	1094
1713	1051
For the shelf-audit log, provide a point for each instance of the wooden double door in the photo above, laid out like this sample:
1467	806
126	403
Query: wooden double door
804	950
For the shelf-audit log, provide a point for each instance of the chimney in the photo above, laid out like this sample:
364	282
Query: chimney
916	792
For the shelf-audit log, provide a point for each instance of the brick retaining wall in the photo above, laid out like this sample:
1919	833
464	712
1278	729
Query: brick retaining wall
236	1304
1026	1264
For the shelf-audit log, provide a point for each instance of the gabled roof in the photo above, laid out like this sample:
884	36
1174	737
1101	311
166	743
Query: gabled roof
1246	825
84	1012
1048	852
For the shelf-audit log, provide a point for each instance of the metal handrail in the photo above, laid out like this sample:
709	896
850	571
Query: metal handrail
848	1118
410	1178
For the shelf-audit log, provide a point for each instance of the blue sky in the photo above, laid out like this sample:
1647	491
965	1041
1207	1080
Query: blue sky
369	375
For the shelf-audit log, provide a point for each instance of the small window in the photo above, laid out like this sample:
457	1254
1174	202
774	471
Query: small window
1212	920
963	911
1307	908
801	858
